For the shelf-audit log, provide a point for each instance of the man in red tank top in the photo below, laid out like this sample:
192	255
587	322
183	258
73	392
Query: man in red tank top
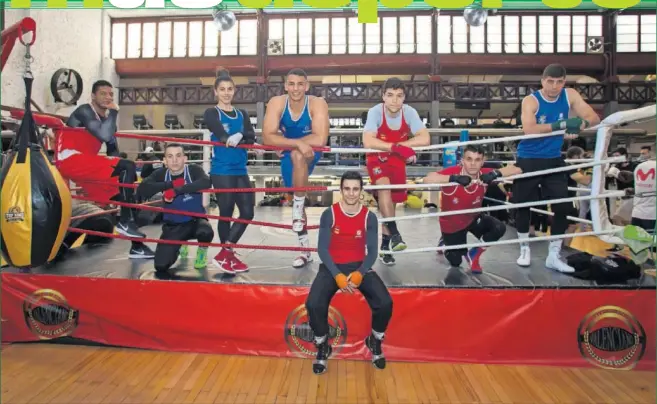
394	128
347	247
469	194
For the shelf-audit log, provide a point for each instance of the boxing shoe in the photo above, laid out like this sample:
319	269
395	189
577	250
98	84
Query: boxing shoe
375	346
525	257
386	259
324	351
472	257
237	264
140	251
554	262
305	257
396	243
302	260
223	261
201	257
184	252
129	228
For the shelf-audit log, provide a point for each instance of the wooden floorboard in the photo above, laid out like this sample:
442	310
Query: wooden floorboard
45	373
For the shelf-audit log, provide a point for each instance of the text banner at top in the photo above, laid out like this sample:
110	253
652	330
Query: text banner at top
367	9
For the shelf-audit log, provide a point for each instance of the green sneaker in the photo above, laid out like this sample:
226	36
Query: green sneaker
184	252
201	258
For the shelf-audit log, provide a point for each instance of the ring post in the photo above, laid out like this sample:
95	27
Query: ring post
599	213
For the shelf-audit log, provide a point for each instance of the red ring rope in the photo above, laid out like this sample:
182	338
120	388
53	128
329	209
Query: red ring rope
103	212
211	143
195	243
217	190
192	214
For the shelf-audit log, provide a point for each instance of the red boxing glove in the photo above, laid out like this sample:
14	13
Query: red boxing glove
169	195
404	151
178	182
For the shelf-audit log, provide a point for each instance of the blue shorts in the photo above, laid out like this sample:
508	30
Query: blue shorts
286	167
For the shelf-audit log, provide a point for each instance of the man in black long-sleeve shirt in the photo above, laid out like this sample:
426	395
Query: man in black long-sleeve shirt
99	177
181	185
348	247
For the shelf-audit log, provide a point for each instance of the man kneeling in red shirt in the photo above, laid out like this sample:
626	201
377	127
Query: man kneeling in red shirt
473	180
348	247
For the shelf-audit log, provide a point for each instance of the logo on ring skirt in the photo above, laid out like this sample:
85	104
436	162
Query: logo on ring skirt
300	337
611	338
48	314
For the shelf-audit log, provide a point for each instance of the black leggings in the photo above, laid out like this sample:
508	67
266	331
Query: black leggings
167	254
486	228
245	202
324	288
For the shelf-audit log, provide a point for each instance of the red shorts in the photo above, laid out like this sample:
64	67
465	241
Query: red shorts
86	167
392	168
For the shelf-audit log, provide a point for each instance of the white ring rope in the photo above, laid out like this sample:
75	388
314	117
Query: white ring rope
545	212
574	189
578	189
457	144
615	119
619	159
615	194
524	175
324	161
503	242
612	120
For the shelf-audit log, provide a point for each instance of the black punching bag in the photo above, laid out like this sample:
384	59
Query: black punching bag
36	201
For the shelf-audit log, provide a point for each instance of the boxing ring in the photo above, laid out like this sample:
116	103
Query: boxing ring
507	314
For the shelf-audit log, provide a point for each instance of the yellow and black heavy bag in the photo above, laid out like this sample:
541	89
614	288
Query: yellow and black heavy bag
35	200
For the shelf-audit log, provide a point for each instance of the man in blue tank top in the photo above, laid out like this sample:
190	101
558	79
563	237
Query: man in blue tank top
550	109
300	122
180	184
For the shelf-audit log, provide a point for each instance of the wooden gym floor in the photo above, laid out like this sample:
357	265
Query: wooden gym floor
47	373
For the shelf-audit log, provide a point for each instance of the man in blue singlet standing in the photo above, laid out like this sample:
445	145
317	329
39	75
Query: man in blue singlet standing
301	122
550	109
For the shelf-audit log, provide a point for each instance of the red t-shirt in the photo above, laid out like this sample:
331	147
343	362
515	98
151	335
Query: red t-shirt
460	198
348	240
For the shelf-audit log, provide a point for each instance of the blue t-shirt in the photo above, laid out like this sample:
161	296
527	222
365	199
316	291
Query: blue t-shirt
547	112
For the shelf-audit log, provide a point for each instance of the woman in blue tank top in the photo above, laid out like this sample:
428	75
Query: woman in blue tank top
233	127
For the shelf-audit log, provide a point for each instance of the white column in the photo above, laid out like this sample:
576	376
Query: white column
207	153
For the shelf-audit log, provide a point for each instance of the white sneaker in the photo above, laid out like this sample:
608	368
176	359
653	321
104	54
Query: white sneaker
302	260
553	261
525	257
